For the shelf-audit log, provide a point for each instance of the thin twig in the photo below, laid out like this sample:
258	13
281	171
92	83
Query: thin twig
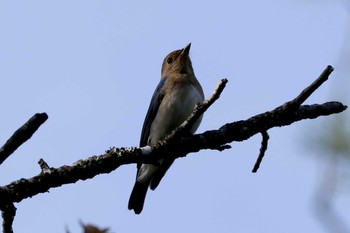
44	166
263	148
300	99
198	110
21	135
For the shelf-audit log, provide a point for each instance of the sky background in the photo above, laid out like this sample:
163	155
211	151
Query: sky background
92	66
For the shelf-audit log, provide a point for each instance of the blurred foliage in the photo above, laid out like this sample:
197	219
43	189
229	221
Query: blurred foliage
90	228
335	137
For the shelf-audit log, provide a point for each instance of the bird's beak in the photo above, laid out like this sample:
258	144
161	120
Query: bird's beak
186	50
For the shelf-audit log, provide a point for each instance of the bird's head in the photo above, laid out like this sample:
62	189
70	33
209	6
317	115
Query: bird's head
178	61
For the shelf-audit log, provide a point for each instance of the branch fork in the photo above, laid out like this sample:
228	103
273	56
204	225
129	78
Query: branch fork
219	139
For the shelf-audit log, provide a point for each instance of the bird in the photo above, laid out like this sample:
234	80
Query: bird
172	102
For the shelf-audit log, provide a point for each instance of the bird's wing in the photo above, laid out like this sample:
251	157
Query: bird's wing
152	112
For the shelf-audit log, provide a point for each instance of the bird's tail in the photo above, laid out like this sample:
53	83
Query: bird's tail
137	197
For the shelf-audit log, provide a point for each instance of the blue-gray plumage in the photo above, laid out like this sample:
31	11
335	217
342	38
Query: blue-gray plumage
172	102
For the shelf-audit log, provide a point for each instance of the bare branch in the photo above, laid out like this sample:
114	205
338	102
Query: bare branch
21	135
297	101
8	215
213	139
263	148
198	110
115	157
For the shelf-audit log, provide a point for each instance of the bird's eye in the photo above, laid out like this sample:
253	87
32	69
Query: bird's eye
169	60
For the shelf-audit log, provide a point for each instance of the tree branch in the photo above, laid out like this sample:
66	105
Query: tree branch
21	135
213	139
263	148
198	110
297	101
8	215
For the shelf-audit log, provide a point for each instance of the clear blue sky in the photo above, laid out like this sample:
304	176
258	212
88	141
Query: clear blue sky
93	66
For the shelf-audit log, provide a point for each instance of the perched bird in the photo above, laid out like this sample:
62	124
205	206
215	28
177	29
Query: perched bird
172	102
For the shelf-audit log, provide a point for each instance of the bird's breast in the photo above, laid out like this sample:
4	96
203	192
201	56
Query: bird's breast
175	108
